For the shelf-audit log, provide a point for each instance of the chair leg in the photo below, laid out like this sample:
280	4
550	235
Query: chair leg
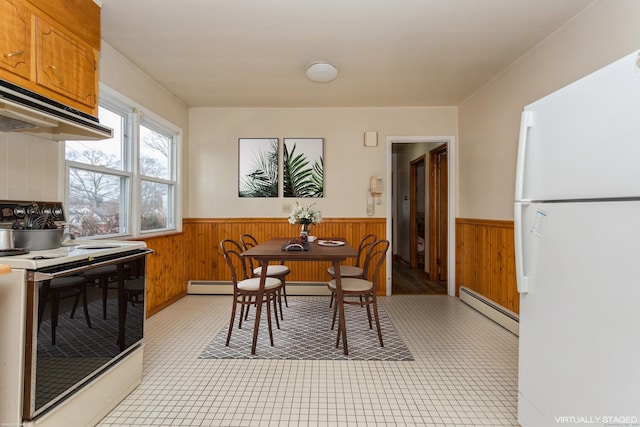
368	305
339	333
248	305
233	319
244	305
335	313
276	298
331	301
375	313
284	292
279	298
269	319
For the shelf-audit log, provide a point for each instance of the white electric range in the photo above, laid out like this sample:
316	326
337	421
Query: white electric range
80	377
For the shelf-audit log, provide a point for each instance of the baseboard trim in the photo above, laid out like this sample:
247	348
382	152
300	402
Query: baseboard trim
216	287
502	316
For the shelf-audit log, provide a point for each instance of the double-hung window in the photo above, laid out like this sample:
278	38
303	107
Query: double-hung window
127	185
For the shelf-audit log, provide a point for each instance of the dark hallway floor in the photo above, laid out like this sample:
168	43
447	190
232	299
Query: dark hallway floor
408	281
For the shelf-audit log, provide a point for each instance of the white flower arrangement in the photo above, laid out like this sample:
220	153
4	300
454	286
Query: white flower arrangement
305	214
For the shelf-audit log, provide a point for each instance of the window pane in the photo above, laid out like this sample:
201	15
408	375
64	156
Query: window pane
107	152
155	150
95	203
154	212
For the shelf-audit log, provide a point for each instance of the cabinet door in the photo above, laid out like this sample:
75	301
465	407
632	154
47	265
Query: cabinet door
65	64
15	27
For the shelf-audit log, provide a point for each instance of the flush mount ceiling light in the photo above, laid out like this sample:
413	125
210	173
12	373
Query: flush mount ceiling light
321	72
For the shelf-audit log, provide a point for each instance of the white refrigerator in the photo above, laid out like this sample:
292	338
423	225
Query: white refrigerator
577	237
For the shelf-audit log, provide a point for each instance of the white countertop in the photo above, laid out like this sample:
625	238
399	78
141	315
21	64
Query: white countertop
76	251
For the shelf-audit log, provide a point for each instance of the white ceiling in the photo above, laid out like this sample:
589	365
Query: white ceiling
253	53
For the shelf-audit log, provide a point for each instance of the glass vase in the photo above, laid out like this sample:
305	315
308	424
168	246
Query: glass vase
304	231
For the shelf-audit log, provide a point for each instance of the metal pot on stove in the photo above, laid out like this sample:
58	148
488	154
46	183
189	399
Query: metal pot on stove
6	239
37	232
38	240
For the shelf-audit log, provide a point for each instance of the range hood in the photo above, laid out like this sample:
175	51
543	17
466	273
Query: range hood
24	111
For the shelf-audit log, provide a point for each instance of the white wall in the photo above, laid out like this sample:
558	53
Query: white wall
29	168
213	153
489	120
121	75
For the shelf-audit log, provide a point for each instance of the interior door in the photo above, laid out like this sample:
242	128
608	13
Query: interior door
438	213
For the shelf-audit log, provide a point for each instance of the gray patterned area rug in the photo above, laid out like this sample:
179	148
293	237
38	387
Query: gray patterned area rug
305	334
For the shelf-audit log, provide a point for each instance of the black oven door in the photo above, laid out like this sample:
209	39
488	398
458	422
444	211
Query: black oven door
81	319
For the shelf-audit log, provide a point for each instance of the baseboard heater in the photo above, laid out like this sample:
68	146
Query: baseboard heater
218	287
502	316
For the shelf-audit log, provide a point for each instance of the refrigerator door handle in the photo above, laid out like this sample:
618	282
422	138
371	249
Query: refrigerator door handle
525	123
522	280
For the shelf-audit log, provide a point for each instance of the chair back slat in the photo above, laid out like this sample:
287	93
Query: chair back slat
376	256
363	247
248	242
232	252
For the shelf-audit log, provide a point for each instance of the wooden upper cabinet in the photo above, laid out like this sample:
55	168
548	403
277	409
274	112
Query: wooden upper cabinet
52	47
65	64
15	33
80	17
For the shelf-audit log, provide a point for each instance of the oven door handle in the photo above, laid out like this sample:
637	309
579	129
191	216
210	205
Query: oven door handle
38	276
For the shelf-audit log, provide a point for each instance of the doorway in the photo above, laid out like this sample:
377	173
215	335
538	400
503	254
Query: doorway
441	251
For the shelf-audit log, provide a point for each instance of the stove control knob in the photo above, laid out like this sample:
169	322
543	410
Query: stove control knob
57	212
19	211
46	210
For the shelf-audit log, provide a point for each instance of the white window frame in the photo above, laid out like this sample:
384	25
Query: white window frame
130	206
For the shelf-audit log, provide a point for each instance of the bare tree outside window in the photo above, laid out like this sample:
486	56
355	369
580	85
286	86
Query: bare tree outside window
100	180
155	152
94	197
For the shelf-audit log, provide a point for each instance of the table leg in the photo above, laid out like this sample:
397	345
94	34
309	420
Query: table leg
340	302
259	298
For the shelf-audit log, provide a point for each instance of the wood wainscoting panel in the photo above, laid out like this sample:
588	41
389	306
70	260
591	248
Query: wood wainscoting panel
166	271
194	254
207	263
485	260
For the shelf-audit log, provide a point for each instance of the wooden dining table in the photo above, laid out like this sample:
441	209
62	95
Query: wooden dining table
271	250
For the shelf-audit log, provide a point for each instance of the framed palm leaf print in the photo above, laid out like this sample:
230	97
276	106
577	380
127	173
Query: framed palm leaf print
303	167
258	167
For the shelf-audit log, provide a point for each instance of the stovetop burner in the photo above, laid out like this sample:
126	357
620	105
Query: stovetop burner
13	251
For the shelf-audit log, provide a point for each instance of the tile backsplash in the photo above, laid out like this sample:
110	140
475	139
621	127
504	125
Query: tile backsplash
29	167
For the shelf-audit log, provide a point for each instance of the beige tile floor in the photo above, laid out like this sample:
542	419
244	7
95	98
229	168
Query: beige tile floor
464	374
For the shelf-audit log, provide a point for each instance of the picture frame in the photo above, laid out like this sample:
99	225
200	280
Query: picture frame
258	160
303	167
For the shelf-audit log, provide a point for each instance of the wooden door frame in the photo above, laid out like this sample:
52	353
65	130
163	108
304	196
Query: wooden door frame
434	209
413	208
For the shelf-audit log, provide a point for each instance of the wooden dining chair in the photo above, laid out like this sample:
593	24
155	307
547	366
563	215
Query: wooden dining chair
279	271
356	270
245	287
363	289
